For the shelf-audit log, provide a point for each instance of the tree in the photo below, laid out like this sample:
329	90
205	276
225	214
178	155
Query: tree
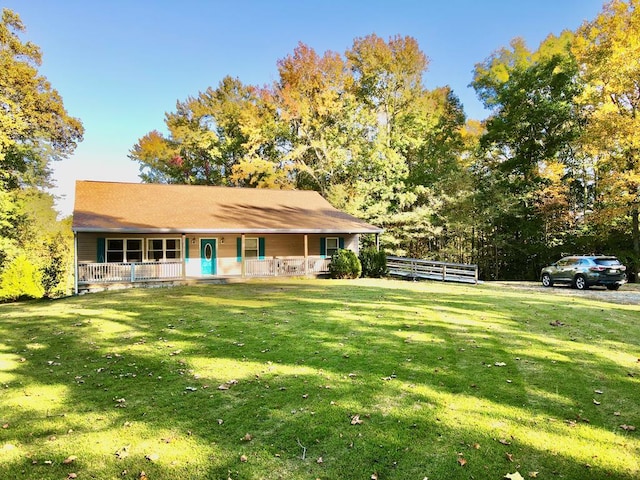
607	50
529	137
314	96
215	138
35	129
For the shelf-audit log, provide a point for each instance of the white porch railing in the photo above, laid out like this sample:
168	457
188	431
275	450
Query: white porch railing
286	266
431	270
128	272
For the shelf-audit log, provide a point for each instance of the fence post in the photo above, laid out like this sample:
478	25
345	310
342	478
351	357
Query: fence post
444	273
133	272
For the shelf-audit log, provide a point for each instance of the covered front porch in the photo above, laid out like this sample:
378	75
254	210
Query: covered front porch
91	273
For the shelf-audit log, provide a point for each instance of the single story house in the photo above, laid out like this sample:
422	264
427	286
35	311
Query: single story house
133	232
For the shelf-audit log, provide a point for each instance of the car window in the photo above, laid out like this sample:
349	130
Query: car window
607	261
584	261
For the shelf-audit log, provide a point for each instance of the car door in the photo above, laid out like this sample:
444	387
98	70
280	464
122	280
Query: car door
564	271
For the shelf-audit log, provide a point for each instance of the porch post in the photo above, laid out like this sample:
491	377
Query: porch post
377	242
75	263
244	271
184	256
306	254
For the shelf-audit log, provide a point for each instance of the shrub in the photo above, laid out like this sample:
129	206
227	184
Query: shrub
374	263
20	279
345	264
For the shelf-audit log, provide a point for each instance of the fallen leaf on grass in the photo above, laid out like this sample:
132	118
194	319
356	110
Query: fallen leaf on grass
228	385
514	476
243	458
152	457
462	461
355	420
509	456
533	474
143	476
595	402
72	476
599	392
247	437
628	428
122	453
500	364
319	460
5	426
504	441
69	459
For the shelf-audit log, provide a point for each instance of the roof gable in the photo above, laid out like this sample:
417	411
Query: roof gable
140	207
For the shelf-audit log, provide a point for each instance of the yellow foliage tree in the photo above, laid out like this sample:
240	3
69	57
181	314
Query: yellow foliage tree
607	50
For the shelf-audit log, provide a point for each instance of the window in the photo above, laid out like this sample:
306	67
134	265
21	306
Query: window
251	248
163	249
332	246
124	250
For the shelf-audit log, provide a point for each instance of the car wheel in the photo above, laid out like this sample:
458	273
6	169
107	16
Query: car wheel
615	286
546	280
580	282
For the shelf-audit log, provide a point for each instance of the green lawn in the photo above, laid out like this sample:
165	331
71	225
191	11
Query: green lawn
306	379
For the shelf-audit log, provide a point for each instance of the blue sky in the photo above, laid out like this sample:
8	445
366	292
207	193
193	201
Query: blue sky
121	64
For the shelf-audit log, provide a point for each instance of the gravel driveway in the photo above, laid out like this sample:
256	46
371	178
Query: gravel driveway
628	294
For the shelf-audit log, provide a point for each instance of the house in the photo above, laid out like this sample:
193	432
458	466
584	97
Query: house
128	233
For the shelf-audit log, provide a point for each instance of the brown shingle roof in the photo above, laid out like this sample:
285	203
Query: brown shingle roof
139	207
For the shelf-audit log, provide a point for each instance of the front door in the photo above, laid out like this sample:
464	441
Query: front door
208	256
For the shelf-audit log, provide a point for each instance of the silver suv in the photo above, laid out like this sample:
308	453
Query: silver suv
583	271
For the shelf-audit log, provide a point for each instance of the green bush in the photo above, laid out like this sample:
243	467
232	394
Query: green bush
20	279
345	264
374	263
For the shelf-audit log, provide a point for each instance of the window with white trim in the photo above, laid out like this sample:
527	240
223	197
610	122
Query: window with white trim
124	250
331	246
159	249
251	248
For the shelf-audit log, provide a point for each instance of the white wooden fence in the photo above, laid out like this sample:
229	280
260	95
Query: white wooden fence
431	270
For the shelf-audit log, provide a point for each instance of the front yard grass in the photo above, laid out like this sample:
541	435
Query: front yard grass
320	379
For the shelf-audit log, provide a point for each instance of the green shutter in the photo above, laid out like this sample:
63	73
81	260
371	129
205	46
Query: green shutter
186	248
239	249
323	247
102	245
261	248
341	242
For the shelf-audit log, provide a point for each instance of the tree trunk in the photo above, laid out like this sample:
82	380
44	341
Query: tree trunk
635	232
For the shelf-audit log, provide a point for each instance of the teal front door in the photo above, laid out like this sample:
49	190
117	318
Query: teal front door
208	256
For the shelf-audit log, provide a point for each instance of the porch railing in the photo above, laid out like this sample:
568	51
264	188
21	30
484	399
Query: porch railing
128	272
286	266
431	270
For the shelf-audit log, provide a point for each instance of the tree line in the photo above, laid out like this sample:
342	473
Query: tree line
554	169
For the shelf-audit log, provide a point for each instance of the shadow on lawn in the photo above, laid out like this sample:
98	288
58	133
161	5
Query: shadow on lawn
419	369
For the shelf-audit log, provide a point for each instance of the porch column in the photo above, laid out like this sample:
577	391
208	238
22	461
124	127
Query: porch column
75	263
244	271
377	242
306	254
184	256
